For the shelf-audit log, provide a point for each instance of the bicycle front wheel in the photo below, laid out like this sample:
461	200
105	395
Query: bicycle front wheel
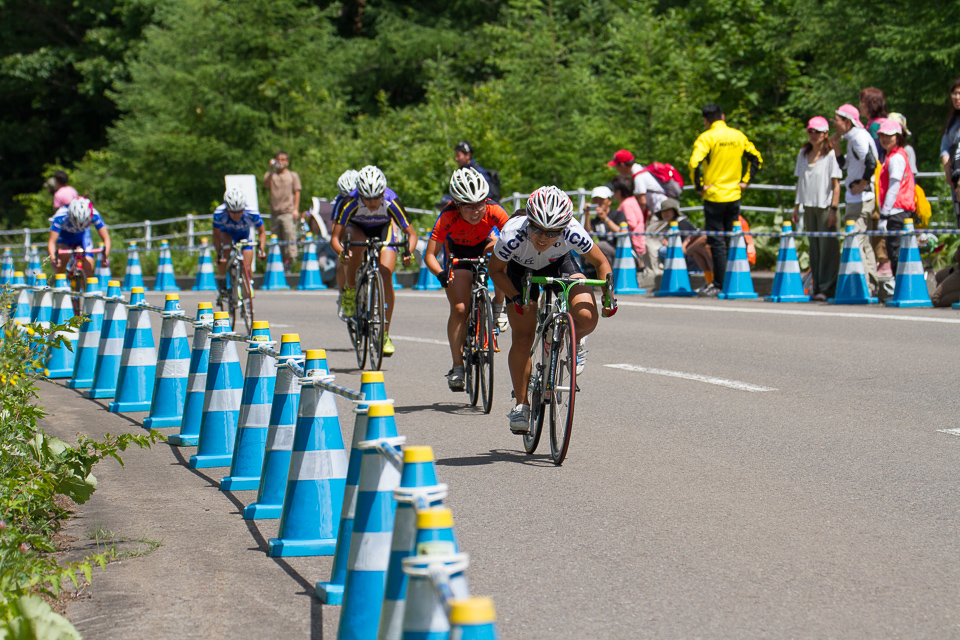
563	387
233	290
485	343
246	297
78	283
471	346
358	324
539	361
376	321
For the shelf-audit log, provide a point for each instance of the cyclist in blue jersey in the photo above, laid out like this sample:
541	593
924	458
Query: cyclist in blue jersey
70	229
371	215
232	222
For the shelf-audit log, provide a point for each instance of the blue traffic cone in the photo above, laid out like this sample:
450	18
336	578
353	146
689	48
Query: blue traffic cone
221	400
910	288
625	266
426	281
42	310
473	619
110	349
852	282
310	268
283	420
104	275
396	284
260	377
197	379
274	279
737	282
134	274
173	368
675	281
787	281
434	582
205	280
371	386
62	358
88	344
6	268
138	365
372	530
34	266
313	502
21	311
418	490
165	281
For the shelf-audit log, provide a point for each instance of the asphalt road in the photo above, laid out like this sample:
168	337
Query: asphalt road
750	471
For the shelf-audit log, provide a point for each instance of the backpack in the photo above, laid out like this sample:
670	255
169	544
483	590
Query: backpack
494	185
666	176
923	211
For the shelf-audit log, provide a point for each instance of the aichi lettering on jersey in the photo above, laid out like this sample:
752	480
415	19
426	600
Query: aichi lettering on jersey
515	244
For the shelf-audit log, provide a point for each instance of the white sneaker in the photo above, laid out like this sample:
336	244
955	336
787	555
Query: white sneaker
500	317
455	379
520	419
581	356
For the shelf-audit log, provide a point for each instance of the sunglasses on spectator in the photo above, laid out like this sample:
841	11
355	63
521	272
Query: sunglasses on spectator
552	233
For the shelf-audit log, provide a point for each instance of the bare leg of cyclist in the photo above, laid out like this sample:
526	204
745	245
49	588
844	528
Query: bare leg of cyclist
523	329
458	294
583	308
222	267
248	260
388	262
88	266
356	257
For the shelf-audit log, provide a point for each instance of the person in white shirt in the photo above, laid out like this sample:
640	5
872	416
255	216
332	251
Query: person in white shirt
859	163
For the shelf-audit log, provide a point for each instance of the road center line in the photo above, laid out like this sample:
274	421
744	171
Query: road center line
732	384
423	340
788	312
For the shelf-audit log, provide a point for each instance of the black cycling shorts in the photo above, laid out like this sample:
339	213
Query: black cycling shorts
467	251
566	266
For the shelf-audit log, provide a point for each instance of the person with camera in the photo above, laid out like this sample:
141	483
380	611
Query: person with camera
284	187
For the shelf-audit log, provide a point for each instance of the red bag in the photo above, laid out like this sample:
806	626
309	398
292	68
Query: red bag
668	177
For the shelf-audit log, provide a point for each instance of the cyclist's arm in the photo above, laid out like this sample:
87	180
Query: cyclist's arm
430	256
599	261
105	236
52	246
216	241
335	238
411	238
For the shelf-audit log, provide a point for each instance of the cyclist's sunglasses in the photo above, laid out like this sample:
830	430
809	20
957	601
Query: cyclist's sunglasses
551	233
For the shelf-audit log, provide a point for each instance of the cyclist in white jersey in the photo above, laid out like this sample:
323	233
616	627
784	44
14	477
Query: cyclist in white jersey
232	222
543	242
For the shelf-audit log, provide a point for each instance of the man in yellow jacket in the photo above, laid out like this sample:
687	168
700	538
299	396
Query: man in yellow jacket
716	167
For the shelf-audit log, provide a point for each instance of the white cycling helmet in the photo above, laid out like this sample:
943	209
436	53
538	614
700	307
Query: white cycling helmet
371	182
549	208
468	186
80	212
234	199
347	182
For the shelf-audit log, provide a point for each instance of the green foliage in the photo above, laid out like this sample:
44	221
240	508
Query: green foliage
35	468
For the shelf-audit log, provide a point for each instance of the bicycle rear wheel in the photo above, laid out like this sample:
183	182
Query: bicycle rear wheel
234	295
376	321
246	297
471	346
358	324
539	360
563	387
485	343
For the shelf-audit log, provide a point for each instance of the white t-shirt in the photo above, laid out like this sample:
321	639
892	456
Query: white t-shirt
515	244
859	144
815	181
645	183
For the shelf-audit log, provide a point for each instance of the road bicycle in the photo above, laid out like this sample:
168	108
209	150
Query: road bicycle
239	294
75	272
553	372
368	324
481	340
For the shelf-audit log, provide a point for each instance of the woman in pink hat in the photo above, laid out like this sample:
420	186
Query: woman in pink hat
896	189
818	190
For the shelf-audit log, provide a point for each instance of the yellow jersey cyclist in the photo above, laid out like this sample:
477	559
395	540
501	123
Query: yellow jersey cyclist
543	242
70	229
467	228
370	215
232	222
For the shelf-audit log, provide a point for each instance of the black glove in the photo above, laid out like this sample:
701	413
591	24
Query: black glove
444	277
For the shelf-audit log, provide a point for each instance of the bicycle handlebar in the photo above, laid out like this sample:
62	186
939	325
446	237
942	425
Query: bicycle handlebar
69	252
609	301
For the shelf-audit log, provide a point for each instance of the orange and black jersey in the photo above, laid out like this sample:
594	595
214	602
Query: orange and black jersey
450	226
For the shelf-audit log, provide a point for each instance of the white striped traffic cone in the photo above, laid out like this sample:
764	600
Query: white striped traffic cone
221	400
197	379
166	281
89	342
138	365
173	369
110	350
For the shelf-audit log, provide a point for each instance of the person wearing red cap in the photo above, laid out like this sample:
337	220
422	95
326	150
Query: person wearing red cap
649	194
818	190
896	189
859	162
716	167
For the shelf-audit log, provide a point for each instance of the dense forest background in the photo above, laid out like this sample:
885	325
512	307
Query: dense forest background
148	103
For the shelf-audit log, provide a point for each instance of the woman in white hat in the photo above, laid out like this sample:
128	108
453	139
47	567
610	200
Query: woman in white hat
896	189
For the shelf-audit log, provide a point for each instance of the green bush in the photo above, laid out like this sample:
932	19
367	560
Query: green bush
35	468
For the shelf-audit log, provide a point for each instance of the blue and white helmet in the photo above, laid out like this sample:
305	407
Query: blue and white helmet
371	183
347	182
234	200
80	212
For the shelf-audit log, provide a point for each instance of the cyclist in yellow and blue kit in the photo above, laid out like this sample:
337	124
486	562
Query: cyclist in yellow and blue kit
371	215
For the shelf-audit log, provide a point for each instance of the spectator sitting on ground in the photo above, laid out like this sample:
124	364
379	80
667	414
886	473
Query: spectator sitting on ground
695	247
623	197
605	223
948	284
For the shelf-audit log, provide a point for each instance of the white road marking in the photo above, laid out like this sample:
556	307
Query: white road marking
732	384
277	325
423	340
788	312
953	432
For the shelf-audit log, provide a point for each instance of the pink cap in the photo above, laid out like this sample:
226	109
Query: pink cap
851	112
620	156
818	123
889	127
